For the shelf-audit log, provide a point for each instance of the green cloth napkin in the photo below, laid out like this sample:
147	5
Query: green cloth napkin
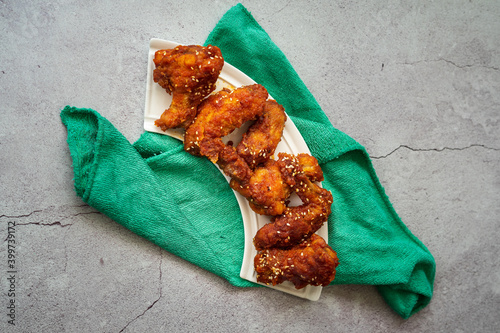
160	192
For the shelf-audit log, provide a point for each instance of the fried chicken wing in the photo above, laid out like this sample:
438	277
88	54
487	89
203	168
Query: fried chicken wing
300	222
189	74
260	140
219	115
311	262
265	190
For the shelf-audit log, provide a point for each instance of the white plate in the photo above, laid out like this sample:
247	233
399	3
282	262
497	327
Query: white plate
157	100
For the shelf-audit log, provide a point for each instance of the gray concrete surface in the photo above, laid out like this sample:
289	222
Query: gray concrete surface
417	83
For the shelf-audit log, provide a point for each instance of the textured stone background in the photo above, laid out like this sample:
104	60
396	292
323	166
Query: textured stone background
417	83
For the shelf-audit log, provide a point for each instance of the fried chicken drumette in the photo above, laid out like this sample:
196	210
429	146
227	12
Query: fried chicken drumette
189	74
311	262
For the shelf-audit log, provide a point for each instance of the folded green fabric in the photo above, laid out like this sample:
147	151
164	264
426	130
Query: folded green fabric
158	191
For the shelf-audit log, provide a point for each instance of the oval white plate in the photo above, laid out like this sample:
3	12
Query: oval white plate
157	100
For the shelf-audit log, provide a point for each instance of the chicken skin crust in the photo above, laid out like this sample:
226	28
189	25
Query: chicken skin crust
311	262
189	73
219	115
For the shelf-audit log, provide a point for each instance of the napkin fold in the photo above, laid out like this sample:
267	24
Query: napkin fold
158	191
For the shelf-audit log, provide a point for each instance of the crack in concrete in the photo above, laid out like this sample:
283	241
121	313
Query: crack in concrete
65	268
59	223
154	302
433	149
54	223
20	216
279	10
449	62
